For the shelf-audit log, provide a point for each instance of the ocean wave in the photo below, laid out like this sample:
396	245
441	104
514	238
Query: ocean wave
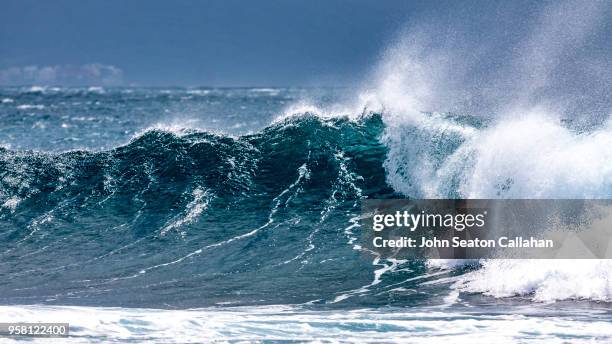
257	215
168	200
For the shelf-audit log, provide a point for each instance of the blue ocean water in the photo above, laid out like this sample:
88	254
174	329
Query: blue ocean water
182	214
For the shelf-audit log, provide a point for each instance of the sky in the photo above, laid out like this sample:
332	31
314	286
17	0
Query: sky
247	43
192	43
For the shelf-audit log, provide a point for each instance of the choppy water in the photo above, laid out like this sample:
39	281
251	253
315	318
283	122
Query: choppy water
228	213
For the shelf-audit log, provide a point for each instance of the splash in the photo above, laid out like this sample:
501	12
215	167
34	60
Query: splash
468	120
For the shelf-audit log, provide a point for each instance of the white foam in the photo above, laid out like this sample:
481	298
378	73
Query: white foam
11	203
350	111
199	92
96	89
30	106
303	108
536	157
287	323
180	128
414	142
533	156
529	156
36	89
542	280
200	200
266	91
446	264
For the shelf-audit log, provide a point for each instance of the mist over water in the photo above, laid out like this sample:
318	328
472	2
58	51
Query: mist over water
537	126
551	58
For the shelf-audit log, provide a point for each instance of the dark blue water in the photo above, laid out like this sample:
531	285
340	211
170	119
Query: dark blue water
199	198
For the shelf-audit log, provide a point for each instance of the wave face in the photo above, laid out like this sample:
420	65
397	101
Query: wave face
194	218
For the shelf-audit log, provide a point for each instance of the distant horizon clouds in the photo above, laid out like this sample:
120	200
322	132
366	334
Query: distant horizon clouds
86	74
212	43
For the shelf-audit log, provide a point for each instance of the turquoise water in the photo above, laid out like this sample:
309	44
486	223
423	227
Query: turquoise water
180	214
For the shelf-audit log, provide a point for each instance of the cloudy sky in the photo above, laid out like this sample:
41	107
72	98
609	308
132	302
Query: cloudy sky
231	42
214	42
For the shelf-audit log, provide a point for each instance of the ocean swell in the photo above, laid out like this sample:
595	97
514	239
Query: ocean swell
251	215
189	218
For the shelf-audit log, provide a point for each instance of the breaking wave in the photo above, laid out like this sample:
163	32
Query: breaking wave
250	219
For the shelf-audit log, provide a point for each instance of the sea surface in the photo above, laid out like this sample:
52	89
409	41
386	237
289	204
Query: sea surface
194	214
